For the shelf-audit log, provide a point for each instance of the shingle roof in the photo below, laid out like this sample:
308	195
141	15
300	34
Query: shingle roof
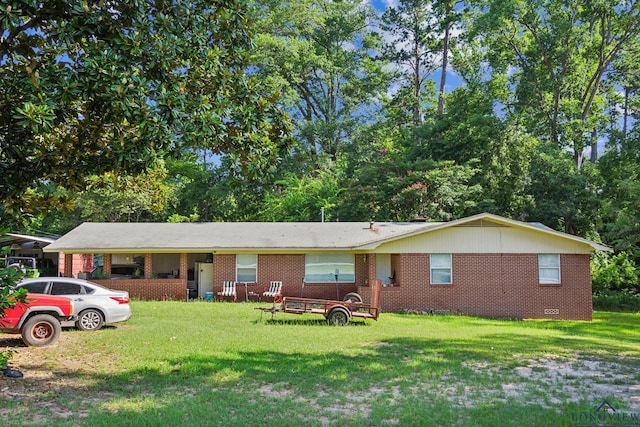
198	237
263	236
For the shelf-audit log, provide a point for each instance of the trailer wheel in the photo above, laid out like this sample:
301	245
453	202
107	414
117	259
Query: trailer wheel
338	317
352	297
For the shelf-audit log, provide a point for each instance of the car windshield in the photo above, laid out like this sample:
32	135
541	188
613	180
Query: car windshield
27	262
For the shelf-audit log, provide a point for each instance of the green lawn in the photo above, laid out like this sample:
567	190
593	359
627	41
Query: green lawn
191	364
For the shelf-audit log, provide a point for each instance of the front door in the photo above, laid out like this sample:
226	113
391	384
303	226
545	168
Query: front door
383	268
204	275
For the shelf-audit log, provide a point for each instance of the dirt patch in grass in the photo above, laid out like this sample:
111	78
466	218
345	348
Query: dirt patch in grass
49	376
556	380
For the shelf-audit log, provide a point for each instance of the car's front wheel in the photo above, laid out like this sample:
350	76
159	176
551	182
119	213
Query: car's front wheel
89	320
41	330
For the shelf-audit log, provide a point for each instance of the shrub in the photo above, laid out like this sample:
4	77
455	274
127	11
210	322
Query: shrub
617	273
616	301
5	356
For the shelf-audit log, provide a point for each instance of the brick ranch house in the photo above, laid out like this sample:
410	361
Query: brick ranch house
483	265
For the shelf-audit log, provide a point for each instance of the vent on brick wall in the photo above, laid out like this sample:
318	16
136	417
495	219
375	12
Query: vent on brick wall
551	311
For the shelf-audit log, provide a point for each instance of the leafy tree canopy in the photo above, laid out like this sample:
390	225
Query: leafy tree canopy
92	86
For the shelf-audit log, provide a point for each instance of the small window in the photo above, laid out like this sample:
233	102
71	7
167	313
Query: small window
36	287
62	288
247	268
440	266
87	290
549	269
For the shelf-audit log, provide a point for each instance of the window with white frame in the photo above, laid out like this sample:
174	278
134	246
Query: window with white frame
440	269
549	269
323	268
247	268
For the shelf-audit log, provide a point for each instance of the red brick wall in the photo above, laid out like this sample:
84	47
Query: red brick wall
491	285
494	285
149	289
224	269
290	270
70	265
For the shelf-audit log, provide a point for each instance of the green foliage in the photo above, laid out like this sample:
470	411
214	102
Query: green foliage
8	298
617	273
470	132
561	197
5	356
302	198
206	192
620	169
312	52
175	218
101	90
391	187
557	54
411	37
617	301
91	87
112	197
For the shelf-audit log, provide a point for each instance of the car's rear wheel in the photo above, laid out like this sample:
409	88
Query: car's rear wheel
89	320
41	330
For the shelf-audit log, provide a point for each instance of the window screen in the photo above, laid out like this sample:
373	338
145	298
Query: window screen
440	265
549	269
323	268
247	268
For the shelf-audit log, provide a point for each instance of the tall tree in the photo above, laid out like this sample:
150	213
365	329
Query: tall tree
315	53
114	197
393	185
470	132
620	169
558	53
419	37
91	86
412	44
626	74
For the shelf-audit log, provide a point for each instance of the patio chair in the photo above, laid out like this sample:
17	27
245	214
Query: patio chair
275	291
228	290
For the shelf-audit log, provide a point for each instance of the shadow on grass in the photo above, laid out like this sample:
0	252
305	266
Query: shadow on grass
14	341
311	322
398	380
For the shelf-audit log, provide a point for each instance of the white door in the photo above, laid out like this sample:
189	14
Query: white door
204	272
383	268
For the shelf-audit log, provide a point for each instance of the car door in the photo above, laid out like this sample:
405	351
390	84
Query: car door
73	291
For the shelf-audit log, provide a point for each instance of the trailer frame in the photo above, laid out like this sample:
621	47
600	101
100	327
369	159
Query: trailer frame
336	312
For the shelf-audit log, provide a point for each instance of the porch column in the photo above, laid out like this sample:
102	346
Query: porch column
184	266
148	266
68	265
106	265
371	270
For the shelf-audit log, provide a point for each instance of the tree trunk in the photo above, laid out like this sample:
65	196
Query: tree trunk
594	146
443	76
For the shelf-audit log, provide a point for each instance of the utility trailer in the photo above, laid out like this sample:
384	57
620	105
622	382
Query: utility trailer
336	312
